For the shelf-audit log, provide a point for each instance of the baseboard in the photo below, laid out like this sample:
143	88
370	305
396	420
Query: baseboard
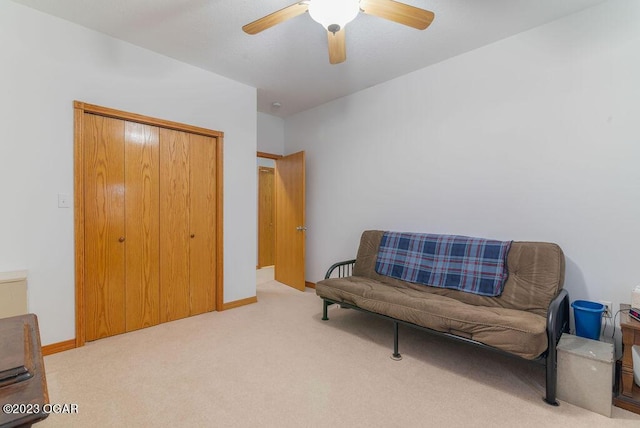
310	284
238	303
54	348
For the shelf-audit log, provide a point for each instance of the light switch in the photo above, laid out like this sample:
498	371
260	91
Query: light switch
64	200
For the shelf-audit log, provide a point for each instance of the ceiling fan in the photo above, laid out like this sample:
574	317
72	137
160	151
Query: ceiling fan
335	14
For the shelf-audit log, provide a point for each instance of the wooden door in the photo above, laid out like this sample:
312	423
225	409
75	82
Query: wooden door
290	220
187	224
104	226
174	225
202	218
121	226
148	221
266	216
142	222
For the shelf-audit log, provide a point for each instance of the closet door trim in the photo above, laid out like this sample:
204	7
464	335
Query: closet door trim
134	117
80	109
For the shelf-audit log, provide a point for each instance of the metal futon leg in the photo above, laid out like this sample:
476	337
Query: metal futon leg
552	377
325	306
396	355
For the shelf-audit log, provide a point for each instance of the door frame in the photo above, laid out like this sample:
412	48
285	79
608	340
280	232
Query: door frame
268	155
80	109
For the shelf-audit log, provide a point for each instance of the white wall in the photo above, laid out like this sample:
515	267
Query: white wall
270	140
536	137
270	134
47	63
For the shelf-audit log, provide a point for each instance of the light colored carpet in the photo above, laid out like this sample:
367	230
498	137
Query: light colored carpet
277	364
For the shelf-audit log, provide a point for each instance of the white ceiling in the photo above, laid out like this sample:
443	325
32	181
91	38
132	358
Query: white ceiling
289	63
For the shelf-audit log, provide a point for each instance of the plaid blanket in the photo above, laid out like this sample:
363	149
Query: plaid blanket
473	265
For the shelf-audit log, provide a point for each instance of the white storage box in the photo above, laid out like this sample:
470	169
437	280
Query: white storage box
585	373
13	293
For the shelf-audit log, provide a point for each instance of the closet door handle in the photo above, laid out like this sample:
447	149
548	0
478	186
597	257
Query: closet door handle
193	235
121	239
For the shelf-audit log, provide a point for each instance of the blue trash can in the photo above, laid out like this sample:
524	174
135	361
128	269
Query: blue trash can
588	318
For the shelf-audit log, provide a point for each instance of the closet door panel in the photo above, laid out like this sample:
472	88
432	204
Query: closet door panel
174	225
142	165
104	226
202	221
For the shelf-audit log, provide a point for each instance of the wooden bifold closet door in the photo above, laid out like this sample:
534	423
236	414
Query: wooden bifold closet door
150	225
187	216
121	225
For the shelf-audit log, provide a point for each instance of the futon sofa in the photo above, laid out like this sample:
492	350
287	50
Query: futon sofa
525	319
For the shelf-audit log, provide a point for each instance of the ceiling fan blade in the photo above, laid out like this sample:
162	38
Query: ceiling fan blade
398	12
337	47
276	17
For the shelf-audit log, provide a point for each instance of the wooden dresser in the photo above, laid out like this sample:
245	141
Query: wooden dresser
23	385
629	393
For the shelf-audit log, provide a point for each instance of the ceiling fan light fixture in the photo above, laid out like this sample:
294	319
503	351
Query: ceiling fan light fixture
334	14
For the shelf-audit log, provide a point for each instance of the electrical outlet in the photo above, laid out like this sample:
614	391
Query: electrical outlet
607	309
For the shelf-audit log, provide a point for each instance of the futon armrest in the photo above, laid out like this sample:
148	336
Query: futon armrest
557	323
345	268
558	317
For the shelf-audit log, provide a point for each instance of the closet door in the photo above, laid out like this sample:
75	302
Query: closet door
175	235
104	226
142	221
148	221
202	217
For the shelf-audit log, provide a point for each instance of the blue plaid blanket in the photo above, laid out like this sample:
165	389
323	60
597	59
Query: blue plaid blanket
473	265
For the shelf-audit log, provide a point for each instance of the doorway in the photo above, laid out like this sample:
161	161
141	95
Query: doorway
281	216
